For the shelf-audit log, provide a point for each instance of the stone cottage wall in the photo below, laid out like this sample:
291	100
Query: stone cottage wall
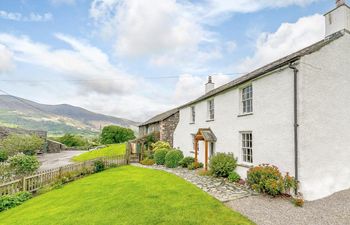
167	128
55	147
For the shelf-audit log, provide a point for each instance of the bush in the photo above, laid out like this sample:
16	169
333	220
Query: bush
22	164
160	145
72	140
173	157
27	144
3	156
186	161
268	179
204	173
222	164
148	162
99	166
195	165
115	134
10	201
234	177
159	156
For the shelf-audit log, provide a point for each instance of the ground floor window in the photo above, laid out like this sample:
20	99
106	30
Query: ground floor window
247	147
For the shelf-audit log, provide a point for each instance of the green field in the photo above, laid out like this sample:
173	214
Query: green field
111	150
124	195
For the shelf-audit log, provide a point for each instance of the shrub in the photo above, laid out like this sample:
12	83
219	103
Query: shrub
186	161
10	201
298	202
27	144
289	183
115	134
148	162
195	165
160	145
72	140
159	156
223	164
234	177
268	179
22	164
99	166
3	156
204	173
173	157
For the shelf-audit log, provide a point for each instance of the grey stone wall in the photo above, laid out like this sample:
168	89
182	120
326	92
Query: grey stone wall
147	129
6	131
54	146
167	128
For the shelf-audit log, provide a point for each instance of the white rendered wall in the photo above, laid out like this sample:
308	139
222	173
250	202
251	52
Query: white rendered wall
271	123
324	131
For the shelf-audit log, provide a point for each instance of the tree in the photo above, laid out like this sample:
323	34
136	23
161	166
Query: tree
72	140
115	134
27	144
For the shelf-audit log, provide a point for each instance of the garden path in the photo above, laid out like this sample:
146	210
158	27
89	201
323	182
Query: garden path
219	188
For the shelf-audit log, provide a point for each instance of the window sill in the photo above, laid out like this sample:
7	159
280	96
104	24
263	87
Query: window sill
246	114
245	165
192	123
209	120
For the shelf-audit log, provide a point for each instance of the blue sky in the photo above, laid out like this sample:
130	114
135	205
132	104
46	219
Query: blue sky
135	58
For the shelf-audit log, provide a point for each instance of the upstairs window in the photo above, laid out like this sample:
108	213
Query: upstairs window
247	99
193	114
211	109
247	147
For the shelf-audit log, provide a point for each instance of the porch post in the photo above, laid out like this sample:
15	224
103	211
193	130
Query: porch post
206	155
195	150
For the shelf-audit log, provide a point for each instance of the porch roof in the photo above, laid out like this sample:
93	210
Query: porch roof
206	134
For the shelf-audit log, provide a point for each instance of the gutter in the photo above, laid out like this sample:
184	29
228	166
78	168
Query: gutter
296	125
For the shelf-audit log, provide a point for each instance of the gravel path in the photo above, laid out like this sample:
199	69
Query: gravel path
55	160
333	210
219	188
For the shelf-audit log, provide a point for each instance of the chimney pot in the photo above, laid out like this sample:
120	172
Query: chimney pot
340	2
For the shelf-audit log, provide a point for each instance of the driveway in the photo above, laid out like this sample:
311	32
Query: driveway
54	160
333	210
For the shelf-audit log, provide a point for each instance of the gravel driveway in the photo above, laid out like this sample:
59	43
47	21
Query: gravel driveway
54	160
333	210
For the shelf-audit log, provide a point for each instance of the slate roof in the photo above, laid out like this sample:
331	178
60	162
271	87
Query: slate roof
270	67
160	117
207	134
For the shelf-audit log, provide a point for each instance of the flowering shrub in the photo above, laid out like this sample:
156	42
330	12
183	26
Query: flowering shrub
268	179
222	164
160	145
148	162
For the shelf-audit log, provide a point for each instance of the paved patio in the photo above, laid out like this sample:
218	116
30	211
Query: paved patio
219	188
54	160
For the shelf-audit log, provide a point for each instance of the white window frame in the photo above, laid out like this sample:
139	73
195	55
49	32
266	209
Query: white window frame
211	111
193	114
246	99
247	147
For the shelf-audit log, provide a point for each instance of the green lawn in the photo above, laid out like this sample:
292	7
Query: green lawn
124	195
111	150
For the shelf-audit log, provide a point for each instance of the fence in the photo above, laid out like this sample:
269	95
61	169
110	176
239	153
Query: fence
36	181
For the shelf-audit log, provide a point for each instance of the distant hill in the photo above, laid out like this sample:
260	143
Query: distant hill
56	119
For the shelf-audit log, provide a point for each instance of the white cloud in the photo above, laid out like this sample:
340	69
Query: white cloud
81	61
220	7
289	38
190	87
32	17
6	63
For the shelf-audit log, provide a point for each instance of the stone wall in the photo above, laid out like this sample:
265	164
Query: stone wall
167	128
147	129
6	131
55	147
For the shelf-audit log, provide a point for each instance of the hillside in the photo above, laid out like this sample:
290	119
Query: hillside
56	119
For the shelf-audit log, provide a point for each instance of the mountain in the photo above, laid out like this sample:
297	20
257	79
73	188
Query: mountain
56	119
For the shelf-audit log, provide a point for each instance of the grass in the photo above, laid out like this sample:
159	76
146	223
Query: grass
124	195
111	150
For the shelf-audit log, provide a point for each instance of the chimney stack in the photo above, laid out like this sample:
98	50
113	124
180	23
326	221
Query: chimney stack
210	85
338	19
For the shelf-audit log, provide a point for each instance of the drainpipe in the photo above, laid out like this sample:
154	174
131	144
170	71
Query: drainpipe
295	70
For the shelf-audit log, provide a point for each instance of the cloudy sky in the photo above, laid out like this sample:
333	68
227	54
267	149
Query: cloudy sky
135	58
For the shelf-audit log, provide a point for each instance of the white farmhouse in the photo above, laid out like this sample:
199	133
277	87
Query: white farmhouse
293	113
